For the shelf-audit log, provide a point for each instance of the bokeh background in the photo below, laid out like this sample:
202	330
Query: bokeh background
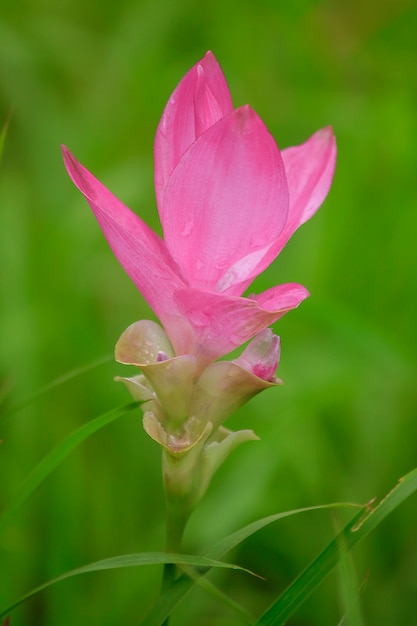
96	76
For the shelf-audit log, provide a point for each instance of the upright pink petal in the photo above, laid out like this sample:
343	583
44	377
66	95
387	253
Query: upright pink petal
140	251
212	99
309	170
226	198
222	323
200	99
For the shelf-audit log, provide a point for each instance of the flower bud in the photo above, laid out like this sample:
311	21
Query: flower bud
261	356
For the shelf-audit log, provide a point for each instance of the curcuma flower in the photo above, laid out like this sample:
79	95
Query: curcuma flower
228	202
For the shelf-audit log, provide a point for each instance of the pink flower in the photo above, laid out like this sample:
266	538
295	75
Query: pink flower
228	201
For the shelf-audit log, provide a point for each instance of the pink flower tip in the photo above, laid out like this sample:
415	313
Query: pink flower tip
261	356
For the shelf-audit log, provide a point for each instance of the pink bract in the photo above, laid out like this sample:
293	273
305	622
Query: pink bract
228	201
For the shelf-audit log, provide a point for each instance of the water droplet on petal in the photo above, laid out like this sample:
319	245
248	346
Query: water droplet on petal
187	229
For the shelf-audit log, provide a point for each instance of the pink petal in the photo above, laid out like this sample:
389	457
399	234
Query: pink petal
226	198
201	99
282	297
309	169
140	251
221	323
261	356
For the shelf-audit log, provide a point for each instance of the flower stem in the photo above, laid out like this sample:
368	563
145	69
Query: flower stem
178	486
174	533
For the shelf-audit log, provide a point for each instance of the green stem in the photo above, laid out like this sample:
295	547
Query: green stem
174	534
176	523
179	486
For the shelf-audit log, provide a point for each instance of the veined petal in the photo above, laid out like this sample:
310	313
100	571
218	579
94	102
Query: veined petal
309	170
222	388
222	323
145	345
216	450
141	253
226	198
201	99
138	387
173	381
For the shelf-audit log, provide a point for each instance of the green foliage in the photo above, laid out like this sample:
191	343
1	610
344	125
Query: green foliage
2	138
129	560
366	521
55	457
287	603
96	76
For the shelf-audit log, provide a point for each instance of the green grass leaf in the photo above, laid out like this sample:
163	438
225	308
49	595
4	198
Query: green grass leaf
204	583
56	456
53	384
362	524
128	560
171	598
349	585
3	136
281	610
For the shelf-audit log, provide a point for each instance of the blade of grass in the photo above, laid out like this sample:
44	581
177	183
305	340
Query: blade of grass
56	382
231	541
56	456
5	389
170	599
362	524
128	560
214	591
3	135
349	586
361	590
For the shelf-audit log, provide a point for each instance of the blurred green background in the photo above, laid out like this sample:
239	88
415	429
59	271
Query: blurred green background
96	76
